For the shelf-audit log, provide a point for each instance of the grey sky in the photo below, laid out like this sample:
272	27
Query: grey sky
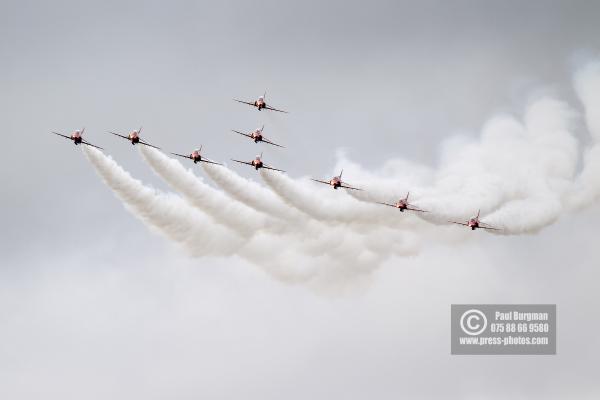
94	305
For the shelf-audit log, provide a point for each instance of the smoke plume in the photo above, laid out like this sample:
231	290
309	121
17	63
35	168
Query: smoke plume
522	173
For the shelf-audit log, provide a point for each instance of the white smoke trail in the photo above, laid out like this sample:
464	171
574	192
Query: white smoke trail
586	190
532	170
278	255
328	205
215	203
199	194
366	224
516	173
250	193
168	214
521	174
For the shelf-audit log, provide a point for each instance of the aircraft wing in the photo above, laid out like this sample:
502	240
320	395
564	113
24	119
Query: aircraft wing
490	228
483	225
148	144
274	109
243	162
93	145
459	223
415	209
386	204
274	144
271	168
60	134
181	155
210	162
348	187
242	133
320	181
245	102
119	135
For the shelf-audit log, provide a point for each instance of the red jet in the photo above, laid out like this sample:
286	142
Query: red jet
336	182
403	204
257	136
196	157
257	163
77	138
475	223
134	137
260	104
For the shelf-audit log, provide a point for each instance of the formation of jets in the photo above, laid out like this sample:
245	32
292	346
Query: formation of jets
257	163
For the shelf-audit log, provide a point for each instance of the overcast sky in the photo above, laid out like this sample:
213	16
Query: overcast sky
93	305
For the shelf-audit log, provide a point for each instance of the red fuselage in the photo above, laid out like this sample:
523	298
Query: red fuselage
402	205
256	136
76	137
195	155
473	223
260	103
134	137
336	182
257	163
